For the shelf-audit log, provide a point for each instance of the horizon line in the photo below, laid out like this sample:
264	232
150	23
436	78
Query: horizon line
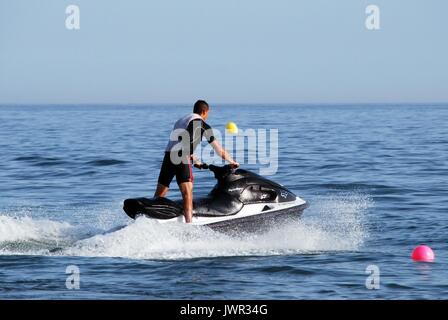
150	104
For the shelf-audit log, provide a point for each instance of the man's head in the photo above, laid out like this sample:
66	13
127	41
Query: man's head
201	108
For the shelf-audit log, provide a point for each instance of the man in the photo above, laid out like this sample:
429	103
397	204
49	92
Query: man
186	135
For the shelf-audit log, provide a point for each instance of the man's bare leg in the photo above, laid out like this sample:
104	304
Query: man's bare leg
186	188
161	191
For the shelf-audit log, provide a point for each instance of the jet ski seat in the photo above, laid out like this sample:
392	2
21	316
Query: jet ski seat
164	208
219	205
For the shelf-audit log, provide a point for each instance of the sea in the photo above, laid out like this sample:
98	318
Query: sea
375	177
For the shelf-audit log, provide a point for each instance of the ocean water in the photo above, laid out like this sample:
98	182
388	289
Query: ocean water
375	177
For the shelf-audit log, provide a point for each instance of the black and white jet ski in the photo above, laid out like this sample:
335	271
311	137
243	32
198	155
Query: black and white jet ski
241	200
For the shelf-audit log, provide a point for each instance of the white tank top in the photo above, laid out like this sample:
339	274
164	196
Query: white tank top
181	124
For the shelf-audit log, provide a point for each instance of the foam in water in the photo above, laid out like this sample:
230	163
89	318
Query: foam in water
331	224
26	235
25	228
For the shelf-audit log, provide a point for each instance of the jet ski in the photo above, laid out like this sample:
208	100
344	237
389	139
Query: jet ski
240	200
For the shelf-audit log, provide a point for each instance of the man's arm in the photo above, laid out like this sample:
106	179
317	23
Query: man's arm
208	133
223	153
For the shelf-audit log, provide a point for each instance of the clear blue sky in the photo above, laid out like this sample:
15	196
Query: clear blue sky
143	51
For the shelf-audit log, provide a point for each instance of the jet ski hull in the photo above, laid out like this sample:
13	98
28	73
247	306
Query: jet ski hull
259	222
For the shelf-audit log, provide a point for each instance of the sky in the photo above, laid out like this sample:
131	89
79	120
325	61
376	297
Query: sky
228	51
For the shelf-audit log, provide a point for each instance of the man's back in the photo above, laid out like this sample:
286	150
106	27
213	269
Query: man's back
189	130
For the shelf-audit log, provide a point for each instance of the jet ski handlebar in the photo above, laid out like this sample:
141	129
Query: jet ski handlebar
201	166
219	171
214	168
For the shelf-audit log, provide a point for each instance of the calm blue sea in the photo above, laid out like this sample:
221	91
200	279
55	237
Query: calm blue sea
376	178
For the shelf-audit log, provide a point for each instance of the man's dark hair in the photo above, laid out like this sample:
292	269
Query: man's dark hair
200	106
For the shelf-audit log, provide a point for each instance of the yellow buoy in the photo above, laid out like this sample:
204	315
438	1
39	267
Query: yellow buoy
231	127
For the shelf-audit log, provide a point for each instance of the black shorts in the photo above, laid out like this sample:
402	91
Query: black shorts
182	171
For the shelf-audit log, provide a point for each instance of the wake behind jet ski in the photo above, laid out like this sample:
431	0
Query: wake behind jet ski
241	200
